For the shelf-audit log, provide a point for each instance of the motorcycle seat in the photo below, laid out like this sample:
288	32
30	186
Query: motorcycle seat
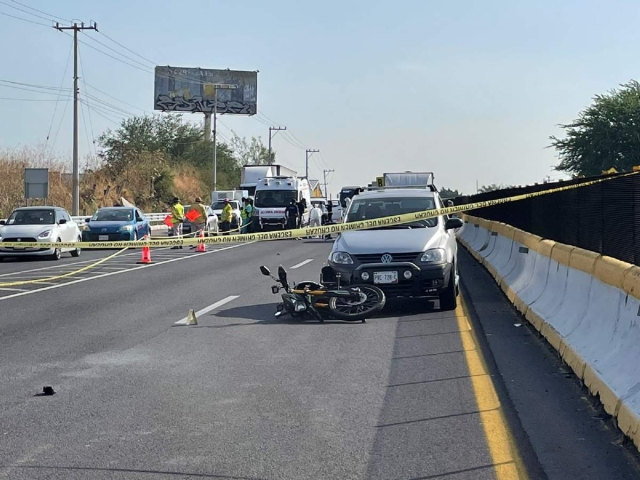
310	285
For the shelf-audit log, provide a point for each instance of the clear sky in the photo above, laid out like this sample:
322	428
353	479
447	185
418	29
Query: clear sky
468	89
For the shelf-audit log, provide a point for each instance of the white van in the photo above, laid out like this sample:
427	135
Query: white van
272	197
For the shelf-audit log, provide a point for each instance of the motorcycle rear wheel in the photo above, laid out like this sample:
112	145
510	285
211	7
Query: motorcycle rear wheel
371	301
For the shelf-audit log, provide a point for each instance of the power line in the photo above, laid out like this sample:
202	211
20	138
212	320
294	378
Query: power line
128	49
33	85
55	138
55	110
117	99
93	137
39	11
33	90
103	116
31	99
121	54
25	11
24	19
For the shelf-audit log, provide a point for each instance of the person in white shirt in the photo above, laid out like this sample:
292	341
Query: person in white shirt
315	217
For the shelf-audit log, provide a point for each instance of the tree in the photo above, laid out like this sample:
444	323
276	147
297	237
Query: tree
447	193
606	134
251	152
493	187
150	133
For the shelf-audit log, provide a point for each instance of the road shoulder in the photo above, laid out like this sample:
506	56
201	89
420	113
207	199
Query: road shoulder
557	427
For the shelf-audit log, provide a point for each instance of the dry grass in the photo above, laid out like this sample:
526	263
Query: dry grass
97	187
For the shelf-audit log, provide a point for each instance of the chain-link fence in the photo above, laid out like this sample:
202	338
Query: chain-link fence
604	217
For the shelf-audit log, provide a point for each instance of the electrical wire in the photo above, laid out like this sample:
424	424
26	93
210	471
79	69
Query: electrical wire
55	138
39	11
55	110
93	137
33	85
127	49
24	19
25	11
117	52
30	99
117	99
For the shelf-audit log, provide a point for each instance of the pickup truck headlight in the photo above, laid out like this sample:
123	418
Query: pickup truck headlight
434	255
125	228
45	234
343	258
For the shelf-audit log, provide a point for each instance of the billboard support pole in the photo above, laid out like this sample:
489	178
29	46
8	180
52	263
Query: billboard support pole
207	127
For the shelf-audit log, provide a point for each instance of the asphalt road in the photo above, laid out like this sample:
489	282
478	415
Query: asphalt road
414	393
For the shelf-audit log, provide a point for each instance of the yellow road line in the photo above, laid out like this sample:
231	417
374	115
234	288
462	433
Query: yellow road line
502	447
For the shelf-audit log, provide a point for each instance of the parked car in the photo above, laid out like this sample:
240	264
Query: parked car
116	224
236	221
211	227
417	259
45	225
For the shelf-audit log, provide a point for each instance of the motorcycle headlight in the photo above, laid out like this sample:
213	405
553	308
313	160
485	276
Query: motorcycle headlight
434	255
342	258
125	228
300	307
45	234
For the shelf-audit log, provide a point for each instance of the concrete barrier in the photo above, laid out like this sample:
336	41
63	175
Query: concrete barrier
532	291
586	306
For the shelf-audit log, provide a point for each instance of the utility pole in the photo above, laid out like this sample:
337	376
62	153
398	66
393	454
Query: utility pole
216	86
273	129
75	207
307	152
324	172
207	127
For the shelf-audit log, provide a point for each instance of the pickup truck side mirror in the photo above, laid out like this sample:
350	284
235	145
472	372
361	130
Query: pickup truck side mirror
62	221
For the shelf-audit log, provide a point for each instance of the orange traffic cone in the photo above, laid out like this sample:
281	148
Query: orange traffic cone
201	246
146	253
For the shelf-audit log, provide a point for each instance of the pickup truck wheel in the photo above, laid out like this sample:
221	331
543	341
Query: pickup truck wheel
448	300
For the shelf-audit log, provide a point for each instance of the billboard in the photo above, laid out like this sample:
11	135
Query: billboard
193	90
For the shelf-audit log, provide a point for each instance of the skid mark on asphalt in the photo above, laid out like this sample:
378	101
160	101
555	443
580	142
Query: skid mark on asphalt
130	266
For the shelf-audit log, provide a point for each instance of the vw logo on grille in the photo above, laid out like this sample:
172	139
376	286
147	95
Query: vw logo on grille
104	229
19	240
386	258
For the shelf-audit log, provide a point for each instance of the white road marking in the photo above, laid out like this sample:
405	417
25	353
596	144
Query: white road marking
108	274
206	310
302	264
13	289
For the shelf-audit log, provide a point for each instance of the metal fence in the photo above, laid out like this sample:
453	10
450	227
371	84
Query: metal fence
603	218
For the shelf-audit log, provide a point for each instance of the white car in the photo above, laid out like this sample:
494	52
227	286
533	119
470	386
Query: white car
236	221
45	225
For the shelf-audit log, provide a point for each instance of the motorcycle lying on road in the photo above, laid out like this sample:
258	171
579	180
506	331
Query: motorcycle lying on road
312	299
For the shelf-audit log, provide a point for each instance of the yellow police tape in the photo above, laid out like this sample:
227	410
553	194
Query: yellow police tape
65	275
311	231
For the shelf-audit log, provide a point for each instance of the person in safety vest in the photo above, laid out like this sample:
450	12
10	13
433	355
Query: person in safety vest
248	211
226	217
243	214
201	220
177	218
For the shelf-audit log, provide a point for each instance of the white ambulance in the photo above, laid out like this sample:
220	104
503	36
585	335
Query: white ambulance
272	197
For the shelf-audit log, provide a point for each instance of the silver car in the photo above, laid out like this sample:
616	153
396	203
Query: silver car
417	259
45	225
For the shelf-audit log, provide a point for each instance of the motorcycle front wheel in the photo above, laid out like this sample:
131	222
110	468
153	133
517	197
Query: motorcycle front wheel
370	300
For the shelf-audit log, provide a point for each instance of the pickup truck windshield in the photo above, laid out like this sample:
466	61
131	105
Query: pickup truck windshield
275	198
370	208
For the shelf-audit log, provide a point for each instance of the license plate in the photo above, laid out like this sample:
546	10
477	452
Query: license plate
385	277
102	238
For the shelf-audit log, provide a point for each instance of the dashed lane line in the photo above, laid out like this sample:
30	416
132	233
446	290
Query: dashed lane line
301	264
109	274
211	307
